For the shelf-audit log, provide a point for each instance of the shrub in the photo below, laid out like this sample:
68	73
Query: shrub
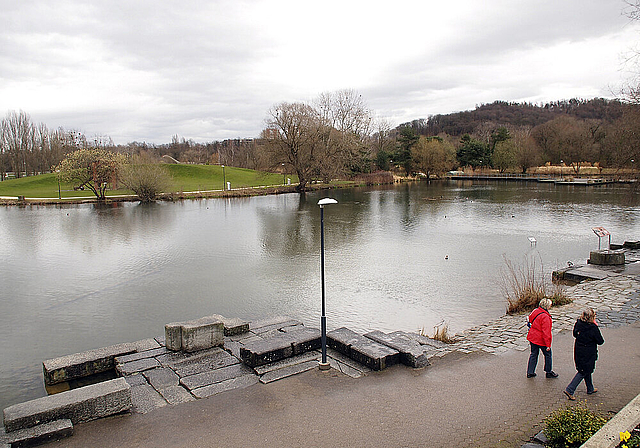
147	180
571	426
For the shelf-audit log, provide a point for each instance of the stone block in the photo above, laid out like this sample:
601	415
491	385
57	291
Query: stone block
214	376
296	359
411	352
78	405
208	360
79	365
606	257
136	380
265	351
232	326
341	340
223	386
39	434
284	372
129	368
193	335
141	355
201	334
361	349
145	399
304	339
176	395
161	378
272	323
173	336
146	344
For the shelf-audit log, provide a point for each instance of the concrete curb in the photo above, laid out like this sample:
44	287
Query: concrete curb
609	435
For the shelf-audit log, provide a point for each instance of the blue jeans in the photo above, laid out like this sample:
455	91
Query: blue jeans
571	388
533	358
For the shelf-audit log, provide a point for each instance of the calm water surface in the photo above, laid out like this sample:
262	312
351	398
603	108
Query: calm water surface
403	257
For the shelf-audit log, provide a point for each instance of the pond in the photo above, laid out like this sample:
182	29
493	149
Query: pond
400	257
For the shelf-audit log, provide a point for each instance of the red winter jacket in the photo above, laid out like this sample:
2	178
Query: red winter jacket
540	331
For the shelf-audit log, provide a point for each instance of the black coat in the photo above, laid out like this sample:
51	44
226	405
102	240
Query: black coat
585	351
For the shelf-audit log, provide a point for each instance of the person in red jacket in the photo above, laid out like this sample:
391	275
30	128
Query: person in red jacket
539	337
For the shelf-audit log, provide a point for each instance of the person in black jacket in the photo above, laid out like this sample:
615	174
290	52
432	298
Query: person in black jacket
585	351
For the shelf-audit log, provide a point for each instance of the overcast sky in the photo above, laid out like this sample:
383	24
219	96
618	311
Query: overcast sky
209	70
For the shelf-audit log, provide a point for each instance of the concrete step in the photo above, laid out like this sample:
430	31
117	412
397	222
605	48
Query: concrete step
42	433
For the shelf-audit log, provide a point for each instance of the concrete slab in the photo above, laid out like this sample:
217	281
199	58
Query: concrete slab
136	379
141	355
79	405
176	395
129	368
161	378
146	399
298	359
204	362
284	372
215	376
39	434
230	384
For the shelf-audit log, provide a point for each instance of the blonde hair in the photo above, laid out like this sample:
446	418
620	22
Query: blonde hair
545	304
588	315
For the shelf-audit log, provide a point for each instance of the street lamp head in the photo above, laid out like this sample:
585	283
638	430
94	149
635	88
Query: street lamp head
326	201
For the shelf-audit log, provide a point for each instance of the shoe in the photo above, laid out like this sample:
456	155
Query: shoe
530	375
569	396
552	374
593	391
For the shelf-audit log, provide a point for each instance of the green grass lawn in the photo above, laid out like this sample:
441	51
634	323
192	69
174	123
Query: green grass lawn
185	178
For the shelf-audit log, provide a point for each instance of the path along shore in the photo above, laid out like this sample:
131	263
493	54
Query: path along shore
475	393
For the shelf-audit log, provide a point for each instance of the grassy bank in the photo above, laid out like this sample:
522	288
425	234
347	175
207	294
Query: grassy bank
185	178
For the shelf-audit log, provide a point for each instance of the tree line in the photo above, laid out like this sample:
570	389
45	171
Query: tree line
337	135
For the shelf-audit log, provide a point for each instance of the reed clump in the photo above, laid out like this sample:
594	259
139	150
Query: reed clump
440	333
523	286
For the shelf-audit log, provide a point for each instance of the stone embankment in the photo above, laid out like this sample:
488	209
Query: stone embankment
197	359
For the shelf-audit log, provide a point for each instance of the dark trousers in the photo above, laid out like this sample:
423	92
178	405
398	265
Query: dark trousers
571	388
533	358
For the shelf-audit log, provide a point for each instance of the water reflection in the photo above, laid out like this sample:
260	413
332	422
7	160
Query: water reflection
397	257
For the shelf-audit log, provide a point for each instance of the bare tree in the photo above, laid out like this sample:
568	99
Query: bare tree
527	152
17	140
293	136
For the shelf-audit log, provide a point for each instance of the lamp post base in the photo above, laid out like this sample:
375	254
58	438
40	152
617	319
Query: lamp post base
324	365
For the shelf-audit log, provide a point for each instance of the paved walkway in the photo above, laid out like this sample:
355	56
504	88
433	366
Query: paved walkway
475	394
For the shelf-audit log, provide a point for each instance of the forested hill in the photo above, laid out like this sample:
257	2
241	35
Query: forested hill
502	113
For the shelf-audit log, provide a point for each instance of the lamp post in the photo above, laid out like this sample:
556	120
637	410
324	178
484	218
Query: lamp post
323	365
284	175
224	179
